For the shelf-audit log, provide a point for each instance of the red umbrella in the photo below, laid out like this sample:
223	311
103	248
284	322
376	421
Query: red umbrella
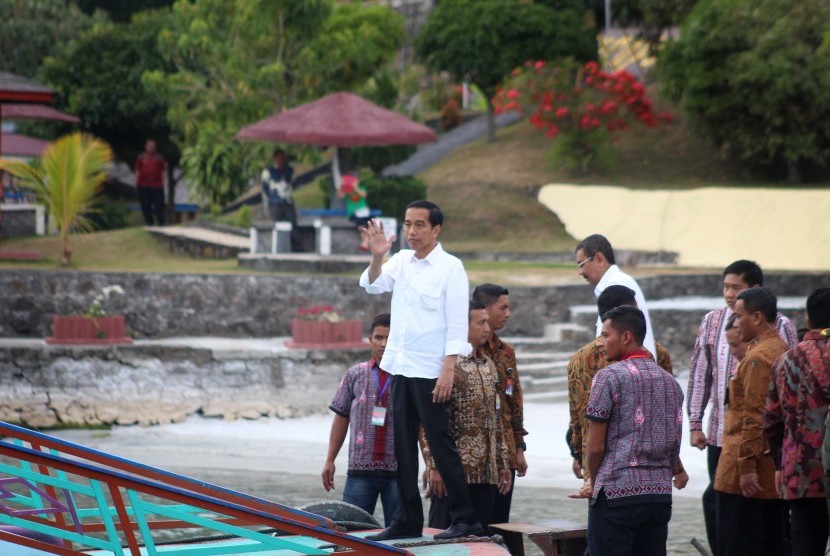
339	120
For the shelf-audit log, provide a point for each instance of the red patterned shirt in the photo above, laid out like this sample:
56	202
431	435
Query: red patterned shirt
796	409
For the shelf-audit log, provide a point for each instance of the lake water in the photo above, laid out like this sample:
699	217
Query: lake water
281	460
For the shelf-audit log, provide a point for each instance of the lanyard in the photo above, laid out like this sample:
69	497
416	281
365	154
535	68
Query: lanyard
377	382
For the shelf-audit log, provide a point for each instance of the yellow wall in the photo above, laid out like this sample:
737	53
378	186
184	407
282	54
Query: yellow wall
787	229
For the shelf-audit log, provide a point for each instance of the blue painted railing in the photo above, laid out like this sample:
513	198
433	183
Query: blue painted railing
63	498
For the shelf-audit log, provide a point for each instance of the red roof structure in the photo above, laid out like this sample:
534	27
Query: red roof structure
35	112
339	120
23	146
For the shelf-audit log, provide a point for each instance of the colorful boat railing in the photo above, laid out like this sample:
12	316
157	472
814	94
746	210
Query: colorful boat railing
62	498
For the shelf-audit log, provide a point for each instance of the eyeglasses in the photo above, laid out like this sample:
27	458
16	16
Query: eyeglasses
583	263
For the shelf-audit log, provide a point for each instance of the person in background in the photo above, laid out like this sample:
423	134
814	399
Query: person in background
751	516
150	179
712	368
737	347
357	207
596	263
794	428
430	306
636	413
278	194
362	407
496	300
476	427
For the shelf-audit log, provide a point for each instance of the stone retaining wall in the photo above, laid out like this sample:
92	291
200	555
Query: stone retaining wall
47	386
262	306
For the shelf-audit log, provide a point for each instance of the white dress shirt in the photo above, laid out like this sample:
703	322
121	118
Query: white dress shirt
616	277
430	305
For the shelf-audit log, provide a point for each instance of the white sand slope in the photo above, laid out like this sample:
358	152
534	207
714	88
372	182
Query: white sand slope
785	229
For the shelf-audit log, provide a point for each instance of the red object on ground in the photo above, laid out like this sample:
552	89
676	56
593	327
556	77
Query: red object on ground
75	330
320	334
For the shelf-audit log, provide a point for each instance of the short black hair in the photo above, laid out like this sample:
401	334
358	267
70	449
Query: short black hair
474	306
626	318
436	217
278	151
818	308
760	299
730	322
615	296
749	271
594	244
384	320
488	293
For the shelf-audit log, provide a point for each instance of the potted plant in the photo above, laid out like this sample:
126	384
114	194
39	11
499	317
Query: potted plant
95	326
324	327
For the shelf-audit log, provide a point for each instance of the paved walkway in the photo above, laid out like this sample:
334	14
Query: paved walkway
203	235
431	153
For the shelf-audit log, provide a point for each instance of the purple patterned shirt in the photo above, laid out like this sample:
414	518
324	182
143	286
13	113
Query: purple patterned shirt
643	406
355	399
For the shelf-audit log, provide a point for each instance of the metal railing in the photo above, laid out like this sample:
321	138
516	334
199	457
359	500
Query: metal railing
63	498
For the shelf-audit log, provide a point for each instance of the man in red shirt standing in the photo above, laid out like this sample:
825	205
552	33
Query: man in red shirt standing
150	172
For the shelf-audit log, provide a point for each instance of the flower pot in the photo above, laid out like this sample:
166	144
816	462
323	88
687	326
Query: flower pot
319	334
88	330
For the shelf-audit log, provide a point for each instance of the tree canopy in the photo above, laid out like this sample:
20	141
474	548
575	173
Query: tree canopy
237	61
481	41
754	75
106	92
33	30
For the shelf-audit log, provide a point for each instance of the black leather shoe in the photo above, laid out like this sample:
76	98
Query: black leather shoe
390	534
461	530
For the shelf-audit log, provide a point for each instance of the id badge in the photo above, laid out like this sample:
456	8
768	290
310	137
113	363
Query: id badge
508	389
498	402
378	416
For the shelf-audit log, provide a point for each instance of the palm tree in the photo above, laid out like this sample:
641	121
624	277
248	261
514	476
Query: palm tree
66	179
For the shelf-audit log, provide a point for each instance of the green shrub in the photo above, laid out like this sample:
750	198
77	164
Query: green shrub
244	216
111	216
392	194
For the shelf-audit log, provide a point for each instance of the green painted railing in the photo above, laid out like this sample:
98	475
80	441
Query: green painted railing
62	498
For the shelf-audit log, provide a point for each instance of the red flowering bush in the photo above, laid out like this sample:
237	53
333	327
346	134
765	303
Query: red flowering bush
320	312
580	106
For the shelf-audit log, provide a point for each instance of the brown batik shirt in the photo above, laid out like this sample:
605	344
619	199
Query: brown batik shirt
475	425
512	412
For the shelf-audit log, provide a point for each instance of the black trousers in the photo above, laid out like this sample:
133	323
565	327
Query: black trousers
628	530
751	526
286	212
152	204
413	407
809	526
709	513
501	509
483	497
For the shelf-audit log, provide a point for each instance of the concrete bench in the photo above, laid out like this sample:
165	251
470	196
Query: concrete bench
555	537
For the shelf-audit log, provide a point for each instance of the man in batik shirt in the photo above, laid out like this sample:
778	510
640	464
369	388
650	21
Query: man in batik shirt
794	427
636	413
476	428
496	300
712	368
750	516
581	370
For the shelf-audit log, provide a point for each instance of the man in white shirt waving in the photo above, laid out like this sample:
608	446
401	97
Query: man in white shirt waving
430	297
595	262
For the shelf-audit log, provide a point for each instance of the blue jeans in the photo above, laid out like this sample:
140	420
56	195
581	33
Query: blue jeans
363	492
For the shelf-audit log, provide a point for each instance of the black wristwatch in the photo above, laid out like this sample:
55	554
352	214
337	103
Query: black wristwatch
522	445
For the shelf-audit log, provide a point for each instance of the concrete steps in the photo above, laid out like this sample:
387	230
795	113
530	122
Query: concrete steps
542	365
